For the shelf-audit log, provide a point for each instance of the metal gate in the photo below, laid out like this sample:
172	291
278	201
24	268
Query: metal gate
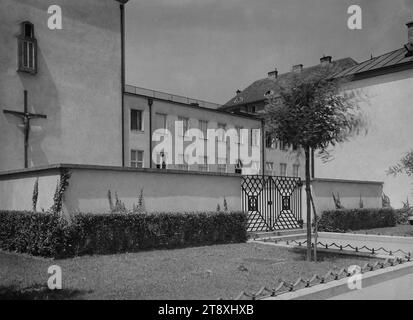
272	203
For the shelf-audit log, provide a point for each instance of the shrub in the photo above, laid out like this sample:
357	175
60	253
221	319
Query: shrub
45	234
356	219
402	215
36	233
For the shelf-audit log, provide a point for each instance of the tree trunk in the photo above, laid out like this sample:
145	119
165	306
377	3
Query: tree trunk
315	227
308	198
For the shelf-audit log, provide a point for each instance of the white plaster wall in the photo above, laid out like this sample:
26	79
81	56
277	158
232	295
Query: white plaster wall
16	192
78	84
349	192
389	109
171	192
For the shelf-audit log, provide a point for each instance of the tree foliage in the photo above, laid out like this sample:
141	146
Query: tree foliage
405	165
311	110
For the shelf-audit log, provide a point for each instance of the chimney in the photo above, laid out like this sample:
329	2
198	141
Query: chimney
409	45
410	32
297	68
238	91
325	60
273	74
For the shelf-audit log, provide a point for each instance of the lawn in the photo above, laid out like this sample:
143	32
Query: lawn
212	272
402	230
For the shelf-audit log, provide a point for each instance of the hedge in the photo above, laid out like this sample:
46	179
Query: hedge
356	219
46	234
403	214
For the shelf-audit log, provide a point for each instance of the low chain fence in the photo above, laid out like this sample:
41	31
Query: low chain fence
285	286
343	247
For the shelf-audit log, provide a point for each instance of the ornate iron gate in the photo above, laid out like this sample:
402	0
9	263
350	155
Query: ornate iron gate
272	203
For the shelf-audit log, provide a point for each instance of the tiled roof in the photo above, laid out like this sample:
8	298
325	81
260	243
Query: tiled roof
257	90
388	60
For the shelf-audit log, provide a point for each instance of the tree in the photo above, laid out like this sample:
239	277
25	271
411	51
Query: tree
405	165
310	110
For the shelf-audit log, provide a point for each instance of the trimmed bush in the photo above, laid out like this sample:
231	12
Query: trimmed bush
403	214
45	234
356	219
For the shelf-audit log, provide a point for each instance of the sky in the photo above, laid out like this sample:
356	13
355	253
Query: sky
207	49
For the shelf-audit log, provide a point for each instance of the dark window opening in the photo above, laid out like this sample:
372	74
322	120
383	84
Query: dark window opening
27	49
136	120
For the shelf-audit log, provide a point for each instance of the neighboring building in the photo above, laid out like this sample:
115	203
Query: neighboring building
386	83
73	76
385	87
280	158
142	105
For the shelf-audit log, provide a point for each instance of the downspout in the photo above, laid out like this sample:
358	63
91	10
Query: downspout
122	26
150	103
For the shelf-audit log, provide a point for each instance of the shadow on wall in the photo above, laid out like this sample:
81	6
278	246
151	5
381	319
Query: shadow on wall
47	102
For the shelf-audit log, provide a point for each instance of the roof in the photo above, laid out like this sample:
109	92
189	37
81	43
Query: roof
257	90
184	101
388	61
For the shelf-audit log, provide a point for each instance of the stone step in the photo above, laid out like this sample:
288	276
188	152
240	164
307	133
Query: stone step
277	233
296	236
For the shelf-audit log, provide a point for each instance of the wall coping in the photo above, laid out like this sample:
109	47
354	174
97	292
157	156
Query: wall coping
60	166
346	181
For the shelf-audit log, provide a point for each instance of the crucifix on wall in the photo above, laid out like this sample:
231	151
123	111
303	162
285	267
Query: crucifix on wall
26	117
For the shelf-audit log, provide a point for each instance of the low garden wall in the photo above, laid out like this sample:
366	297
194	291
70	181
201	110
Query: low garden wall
351	194
88	188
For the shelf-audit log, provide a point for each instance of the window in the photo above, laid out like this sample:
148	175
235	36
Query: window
185	127
222	135
255	137
136	159
203	126
296	168
271	143
203	163
240	137
161	160
284	146
269	166
221	164
182	163
283	169
161	121
27	48
255	165
136	122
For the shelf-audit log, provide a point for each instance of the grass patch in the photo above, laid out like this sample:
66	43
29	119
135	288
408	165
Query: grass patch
191	273
401	230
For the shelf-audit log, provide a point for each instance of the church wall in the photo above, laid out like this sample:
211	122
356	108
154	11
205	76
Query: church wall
388	107
78	84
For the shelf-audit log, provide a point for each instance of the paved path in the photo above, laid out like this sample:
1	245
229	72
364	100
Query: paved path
396	289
